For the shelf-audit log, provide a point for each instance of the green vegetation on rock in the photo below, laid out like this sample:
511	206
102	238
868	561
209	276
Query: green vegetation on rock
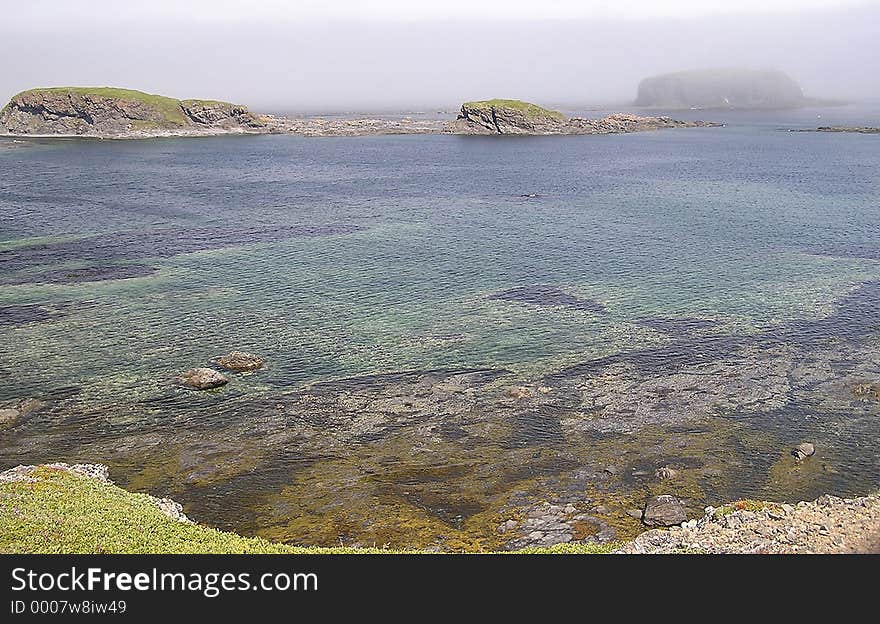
527	108
62	512
110	112
745	505
168	107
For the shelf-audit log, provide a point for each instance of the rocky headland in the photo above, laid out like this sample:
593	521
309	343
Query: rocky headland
721	88
120	113
111	113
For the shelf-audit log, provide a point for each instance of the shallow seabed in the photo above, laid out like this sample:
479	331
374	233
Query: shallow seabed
452	363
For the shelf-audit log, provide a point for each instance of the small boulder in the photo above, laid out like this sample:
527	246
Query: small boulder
240	361
803	450
664	511
202	379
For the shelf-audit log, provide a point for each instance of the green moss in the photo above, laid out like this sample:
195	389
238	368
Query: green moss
527	108
586	548
745	505
66	513
168	107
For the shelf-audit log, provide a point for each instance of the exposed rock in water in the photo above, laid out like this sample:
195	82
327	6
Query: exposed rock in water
515	117
854	129
240	361
119	113
543	295
18	413
202	379
663	510
803	450
622	123
720	88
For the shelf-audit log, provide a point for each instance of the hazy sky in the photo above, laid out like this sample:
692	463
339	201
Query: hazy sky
311	55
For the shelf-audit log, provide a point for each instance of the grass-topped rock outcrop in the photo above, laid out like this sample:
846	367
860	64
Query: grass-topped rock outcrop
119	113
517	117
510	117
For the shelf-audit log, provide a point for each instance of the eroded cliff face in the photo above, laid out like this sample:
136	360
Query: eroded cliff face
508	117
116	113
220	114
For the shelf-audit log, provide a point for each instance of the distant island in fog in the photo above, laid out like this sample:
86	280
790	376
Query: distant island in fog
731	88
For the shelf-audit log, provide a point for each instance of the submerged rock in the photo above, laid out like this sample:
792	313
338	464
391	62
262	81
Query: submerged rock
202	379
240	361
664	510
803	450
18	412
665	473
545	295
519	392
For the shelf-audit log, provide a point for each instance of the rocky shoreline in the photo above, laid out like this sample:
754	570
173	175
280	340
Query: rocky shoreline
826	525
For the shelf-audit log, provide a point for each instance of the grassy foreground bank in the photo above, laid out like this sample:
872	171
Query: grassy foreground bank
63	512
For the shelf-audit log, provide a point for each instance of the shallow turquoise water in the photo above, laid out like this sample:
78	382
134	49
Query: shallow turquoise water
343	257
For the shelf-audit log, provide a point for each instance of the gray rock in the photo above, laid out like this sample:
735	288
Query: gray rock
634	513
803	450
18	413
202	379
663	510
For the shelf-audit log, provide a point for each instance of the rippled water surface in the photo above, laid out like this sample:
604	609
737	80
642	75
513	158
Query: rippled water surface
455	328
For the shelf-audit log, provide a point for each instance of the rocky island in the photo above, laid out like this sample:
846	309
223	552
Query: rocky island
729	88
111	113
516	117
120	113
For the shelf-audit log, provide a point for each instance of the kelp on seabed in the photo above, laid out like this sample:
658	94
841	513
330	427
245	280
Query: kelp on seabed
440	459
